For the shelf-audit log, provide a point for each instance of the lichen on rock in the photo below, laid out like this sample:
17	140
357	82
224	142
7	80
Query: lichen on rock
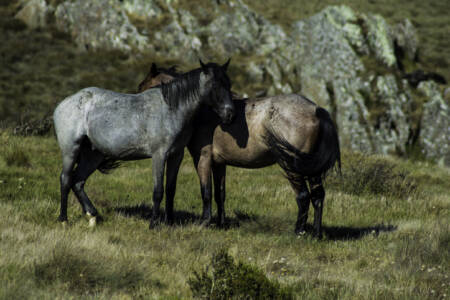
99	25
34	13
379	38
435	124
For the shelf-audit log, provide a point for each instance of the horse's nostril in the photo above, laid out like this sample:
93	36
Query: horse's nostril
229	114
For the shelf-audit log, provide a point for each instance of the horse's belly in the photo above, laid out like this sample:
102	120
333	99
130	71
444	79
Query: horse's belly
253	155
123	142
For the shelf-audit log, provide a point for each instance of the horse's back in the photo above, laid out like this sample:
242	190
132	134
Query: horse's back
107	118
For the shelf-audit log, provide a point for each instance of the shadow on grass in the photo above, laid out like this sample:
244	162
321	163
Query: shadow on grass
263	225
143	211
341	233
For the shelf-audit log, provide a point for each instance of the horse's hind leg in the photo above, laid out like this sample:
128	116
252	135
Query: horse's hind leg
66	182
69	158
219	174
159	162
88	162
317	198
303	199
173	165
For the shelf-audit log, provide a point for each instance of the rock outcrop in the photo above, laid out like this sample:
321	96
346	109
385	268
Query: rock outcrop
34	13
99	25
434	135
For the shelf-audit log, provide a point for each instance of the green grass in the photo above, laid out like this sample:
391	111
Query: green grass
378	243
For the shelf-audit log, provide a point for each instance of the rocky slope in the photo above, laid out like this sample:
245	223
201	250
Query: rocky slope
355	64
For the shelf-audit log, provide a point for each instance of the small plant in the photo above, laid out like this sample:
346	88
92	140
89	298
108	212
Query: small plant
234	281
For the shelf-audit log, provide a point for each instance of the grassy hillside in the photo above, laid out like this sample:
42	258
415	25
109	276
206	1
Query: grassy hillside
387	238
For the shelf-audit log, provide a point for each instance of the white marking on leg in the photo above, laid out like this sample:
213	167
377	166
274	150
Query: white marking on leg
92	222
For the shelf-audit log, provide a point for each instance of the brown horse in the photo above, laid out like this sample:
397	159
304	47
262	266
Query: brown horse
288	129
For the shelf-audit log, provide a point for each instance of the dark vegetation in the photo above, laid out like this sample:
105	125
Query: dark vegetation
230	280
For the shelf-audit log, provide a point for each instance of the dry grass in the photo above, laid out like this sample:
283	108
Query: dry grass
376	246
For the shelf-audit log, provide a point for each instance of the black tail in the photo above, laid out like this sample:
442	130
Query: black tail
324	156
108	165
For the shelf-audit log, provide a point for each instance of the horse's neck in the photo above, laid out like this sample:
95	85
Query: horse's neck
186	111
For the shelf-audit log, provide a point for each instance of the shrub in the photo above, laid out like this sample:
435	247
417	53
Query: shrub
39	127
234	281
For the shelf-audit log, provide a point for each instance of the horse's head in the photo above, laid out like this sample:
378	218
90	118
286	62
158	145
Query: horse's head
215	88
157	76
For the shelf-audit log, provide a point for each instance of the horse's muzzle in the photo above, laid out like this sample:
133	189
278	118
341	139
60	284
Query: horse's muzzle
228	114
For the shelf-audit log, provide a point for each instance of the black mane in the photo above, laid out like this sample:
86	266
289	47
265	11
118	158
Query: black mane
185	86
172	71
182	88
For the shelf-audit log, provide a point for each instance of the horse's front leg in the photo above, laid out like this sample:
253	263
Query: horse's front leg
219	173
202	162
159	162
173	165
317	198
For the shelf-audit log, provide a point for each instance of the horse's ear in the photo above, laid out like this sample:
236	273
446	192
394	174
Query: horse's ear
225	65
201	63
154	69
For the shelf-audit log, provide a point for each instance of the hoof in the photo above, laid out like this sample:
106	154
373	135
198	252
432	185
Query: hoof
205	223
300	232
318	236
93	220
169	221
154	223
64	224
62	219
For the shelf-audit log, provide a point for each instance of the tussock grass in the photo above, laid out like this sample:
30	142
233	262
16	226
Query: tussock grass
373	175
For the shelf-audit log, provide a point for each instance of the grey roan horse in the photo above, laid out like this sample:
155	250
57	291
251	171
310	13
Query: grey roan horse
96	128
288	129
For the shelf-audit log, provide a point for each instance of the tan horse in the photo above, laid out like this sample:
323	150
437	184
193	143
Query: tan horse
288	129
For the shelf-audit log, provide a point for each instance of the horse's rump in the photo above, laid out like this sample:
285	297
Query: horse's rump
299	165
